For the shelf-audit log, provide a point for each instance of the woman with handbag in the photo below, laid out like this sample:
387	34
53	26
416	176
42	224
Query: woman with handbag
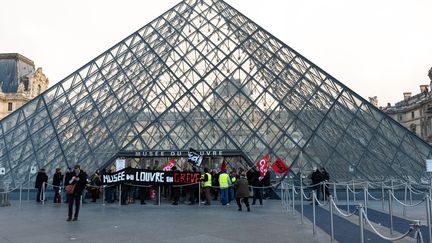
74	191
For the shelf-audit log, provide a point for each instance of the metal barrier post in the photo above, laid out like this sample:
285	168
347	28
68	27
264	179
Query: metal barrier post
354	195
360	209
428	217
323	188
292	199
313	210
20	196
301	202
103	195
390	211
392	186
410	193
159	196
28	188
282	195
334	192
365	195
119	194
331	218
199	194
43	193
405	201
347	198
382	195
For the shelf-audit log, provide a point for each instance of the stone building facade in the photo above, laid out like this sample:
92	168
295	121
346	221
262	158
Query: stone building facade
20	81
415	112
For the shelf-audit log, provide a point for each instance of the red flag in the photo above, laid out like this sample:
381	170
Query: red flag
168	166
223	165
262	165
279	166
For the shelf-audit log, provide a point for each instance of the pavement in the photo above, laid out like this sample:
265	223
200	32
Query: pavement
35	222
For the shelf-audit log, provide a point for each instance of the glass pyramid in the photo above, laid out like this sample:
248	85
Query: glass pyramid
203	75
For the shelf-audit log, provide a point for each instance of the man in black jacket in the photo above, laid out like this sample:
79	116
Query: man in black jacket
57	181
41	178
79	179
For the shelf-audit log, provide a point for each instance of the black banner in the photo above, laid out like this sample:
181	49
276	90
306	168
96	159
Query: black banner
150	177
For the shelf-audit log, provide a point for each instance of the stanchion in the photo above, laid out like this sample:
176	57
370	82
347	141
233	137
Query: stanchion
43	194
347	198
382	195
392	186
410	193
331	218
405	201
292	199
354	192
20	196
390	211
323	187
301	202
103	195
428	218
334	192
365	196
159	196
199	194
119	194
313	210
360	210
28	188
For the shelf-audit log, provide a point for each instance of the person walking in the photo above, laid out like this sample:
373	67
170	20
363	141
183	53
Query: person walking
242	191
41	181
316	180
78	182
57	182
224	184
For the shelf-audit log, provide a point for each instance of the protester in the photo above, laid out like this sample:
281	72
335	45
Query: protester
207	180
242	191
175	192
224	184
67	177
95	186
193	189
325	177
57	182
231	193
79	180
41	181
316	180
257	188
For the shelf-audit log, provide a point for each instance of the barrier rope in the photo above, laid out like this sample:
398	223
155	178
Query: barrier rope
385	237
349	188
304	195
374	198
341	213
319	203
406	205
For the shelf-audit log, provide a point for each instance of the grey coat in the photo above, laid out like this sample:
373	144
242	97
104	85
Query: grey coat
242	188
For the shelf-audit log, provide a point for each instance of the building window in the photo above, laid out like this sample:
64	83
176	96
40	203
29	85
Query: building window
10	106
400	118
413	128
412	114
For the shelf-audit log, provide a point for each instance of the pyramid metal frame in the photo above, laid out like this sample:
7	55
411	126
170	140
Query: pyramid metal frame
203	75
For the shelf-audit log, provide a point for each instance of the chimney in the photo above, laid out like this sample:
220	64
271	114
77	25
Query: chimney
407	95
424	88
374	100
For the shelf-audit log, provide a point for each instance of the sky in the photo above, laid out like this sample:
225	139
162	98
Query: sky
375	47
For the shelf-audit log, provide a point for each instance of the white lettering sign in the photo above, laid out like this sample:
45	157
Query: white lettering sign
120	164
429	165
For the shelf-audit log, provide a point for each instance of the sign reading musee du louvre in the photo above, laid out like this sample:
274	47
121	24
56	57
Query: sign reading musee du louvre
150	177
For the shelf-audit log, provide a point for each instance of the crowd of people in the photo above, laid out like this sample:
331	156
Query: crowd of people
216	185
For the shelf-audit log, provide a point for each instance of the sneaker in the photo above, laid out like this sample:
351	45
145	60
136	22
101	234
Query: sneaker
68	219
75	219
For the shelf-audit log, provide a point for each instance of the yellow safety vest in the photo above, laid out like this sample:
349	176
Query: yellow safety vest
223	180
209	180
233	179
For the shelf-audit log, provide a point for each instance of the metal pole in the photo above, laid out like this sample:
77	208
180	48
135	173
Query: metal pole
20	196
365	196
354	195
103	195
28	188
428	216
199	193
43	193
334	192
392	186
119	195
323	187
347	198
282	195
360	207
410	193
382	195
405	201
159	196
292	199
390	211
301	199
313	210
331	217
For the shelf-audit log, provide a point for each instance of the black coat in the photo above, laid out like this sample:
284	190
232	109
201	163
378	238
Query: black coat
80	184
316	177
68	176
57	179
41	177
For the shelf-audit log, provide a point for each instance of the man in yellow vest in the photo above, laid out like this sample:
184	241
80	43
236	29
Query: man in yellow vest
207	183
224	183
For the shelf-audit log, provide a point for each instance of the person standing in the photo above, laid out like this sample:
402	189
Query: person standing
41	181
67	177
207	180
175	191
325	177
95	186
224	183
316	180
57	182
257	188
242	191
79	179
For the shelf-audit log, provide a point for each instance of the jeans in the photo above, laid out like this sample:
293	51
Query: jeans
71	199
224	196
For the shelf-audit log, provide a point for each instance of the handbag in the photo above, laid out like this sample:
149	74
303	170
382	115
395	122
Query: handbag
70	189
